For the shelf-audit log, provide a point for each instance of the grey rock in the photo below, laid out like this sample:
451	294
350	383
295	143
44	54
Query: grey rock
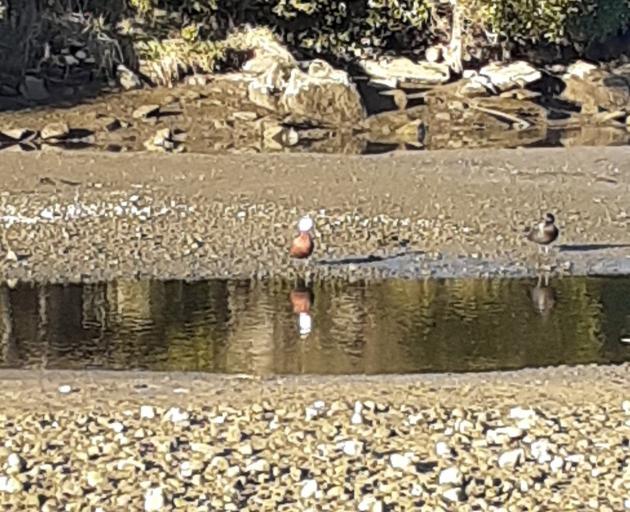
145	111
323	95
34	88
596	89
450	476
512	75
401	71
511	458
57	130
127	79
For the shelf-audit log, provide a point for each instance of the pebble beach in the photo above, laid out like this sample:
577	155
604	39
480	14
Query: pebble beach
550	439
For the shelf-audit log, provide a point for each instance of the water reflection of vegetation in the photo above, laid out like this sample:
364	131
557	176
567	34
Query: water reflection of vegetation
388	326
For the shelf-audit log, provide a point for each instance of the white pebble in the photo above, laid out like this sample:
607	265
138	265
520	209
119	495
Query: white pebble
540	451
370	504
450	475
185	469
64	389
175	415
625	405
452	495
414	419
309	488
9	484
399	461
518	413
14	461
416	490
153	499
556	464
117	426
626	504
357	418
147	412
442	449
351	448
511	458
503	434
575	458
315	409
258	466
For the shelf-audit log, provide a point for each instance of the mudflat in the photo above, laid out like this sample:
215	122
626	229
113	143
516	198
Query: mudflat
74	216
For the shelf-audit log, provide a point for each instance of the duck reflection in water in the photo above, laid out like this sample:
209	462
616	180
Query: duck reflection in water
543	295
301	301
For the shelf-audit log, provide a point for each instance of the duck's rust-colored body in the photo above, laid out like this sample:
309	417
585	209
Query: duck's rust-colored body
303	245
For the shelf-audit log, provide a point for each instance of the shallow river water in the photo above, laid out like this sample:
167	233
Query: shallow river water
330	327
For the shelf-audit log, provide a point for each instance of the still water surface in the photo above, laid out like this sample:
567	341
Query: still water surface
331	327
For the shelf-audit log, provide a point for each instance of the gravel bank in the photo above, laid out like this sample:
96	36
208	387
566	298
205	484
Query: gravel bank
554	439
88	216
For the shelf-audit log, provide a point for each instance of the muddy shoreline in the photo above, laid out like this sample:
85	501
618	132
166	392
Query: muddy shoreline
572	385
81	216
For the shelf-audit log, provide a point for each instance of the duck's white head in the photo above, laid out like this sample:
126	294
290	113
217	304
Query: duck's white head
305	224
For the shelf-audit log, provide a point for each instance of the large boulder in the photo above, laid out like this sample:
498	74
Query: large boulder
323	95
503	77
594	88
402	72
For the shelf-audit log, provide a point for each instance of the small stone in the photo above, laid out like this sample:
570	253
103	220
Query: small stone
442	449
351	448
81	54
117	426
511	458
399	461
16	134
127	79
71	60
64	389
357	417
503	434
153	499
55	131
94	478
146	111
556	463
625	405
518	413
309	488
175	415
433	53
453	495
9	484
450	476
185	469
245	116
15	462
258	466
147	412
370	504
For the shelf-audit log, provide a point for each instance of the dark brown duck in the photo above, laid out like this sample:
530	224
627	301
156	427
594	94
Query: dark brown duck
545	232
